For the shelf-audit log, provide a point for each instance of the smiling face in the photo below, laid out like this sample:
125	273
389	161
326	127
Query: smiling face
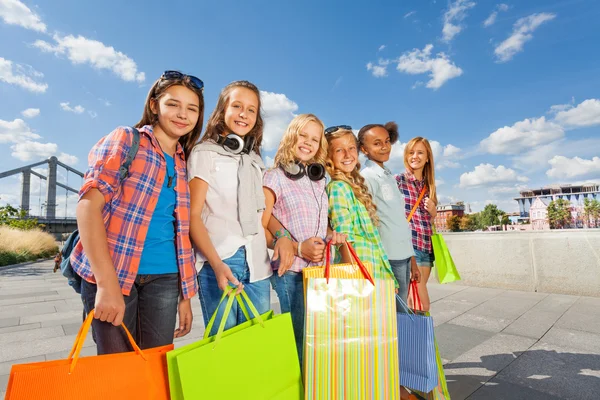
417	157
377	145
343	152
308	142
241	111
178	111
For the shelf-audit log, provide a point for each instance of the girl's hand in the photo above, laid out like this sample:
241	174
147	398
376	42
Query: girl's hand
430	205
284	252
225	277
185	318
109	304
313	249
415	274
336	238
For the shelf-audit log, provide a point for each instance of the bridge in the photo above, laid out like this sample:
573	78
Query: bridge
48	217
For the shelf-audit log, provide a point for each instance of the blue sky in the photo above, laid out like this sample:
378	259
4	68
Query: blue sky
508	92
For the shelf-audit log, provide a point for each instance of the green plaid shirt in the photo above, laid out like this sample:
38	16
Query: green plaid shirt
349	216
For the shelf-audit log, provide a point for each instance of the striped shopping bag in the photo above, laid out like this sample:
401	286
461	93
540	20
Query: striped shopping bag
416	346
350	343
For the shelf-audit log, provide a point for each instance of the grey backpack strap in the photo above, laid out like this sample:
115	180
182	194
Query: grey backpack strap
135	145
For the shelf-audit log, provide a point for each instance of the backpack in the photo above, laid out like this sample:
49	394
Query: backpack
63	259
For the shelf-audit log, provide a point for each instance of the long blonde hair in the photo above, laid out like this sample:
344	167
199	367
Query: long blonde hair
354	178
286	153
428	170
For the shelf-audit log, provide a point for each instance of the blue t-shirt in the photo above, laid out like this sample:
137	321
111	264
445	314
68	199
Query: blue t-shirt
159	255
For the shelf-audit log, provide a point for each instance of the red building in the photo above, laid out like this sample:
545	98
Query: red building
445	211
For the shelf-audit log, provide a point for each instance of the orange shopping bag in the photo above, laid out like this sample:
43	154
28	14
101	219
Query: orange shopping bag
133	375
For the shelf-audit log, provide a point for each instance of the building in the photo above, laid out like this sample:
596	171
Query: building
575	194
538	214
445	211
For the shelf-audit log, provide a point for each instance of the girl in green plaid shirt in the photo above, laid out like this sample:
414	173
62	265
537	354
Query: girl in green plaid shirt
351	208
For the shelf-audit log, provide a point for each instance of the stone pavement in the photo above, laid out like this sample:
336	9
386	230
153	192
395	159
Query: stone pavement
496	344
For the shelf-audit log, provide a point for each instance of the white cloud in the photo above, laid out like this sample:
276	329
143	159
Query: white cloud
93	114
15	131
487	174
14	12
278	111
380	70
455	14
522	33
440	68
521	136
68	159
537	157
587	113
30	112
408	14
21	75
81	50
29	150
563	167
507	189
491	20
77	109
381	47
269	161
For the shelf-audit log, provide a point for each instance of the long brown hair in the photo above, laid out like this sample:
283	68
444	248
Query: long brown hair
216	121
156	92
354	178
286	153
428	170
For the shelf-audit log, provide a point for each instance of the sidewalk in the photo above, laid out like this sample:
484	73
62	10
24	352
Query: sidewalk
496	344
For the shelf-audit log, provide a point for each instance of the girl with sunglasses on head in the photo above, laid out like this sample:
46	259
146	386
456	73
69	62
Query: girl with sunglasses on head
227	202
351	207
134	253
295	195
417	184
375	141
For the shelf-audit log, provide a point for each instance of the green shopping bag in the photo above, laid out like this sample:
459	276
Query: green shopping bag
440	392
444	265
253	360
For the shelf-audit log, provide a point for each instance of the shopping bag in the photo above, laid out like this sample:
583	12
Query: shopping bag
416	346
132	375
444	265
350	344
440	392
254	360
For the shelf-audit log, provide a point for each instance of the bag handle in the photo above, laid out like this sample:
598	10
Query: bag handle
353	254
405	306
80	339
415	292
412	212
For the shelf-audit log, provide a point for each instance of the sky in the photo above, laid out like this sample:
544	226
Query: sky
508	93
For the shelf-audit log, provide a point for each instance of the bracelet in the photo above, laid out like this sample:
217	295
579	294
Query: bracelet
300	249
281	233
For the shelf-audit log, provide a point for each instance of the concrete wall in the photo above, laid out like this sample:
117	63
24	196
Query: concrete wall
561	261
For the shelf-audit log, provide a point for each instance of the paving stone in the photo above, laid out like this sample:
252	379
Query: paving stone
447	309
454	340
3	382
475	295
57	317
6	366
38	347
15	294
88	351
533	323
438	292
4	322
482	322
509	305
556	371
31	334
581	316
34	299
18	328
575	339
25	310
498	389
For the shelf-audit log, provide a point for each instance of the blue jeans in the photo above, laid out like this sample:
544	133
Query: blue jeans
401	270
290	291
150	314
424	259
259	292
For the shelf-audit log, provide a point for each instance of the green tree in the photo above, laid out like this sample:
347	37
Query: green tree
591	210
490	214
469	222
15	218
559	214
453	223
505	220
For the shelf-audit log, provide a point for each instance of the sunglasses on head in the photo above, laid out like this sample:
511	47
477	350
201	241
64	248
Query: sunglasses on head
178	75
336	128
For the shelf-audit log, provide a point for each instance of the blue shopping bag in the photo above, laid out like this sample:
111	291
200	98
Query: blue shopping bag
416	348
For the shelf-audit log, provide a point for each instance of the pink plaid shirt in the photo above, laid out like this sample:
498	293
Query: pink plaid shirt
301	207
420	224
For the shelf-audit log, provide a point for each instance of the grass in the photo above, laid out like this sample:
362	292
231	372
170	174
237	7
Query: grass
18	246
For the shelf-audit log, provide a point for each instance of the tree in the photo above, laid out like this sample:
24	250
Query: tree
591	210
453	223
559	214
505	221
16	218
469	222
490	214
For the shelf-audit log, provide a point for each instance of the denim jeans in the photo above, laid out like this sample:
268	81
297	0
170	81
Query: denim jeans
259	292
290	291
150	314
401	270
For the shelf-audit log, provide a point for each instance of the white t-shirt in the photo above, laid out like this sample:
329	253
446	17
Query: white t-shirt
220	212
